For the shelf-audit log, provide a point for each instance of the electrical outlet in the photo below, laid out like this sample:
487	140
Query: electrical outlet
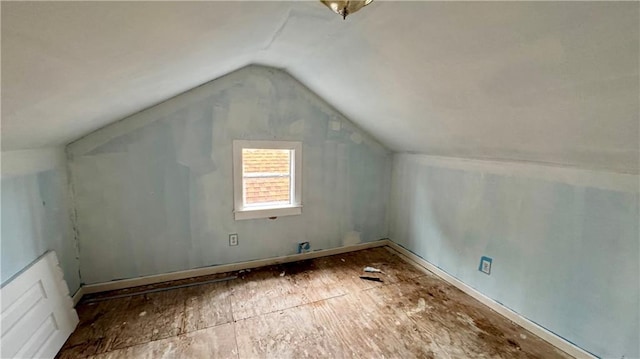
303	247
233	239
485	265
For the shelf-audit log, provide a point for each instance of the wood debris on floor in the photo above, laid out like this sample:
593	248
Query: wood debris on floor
318	308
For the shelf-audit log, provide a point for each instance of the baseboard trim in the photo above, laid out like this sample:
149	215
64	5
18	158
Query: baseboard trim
77	296
190	273
534	328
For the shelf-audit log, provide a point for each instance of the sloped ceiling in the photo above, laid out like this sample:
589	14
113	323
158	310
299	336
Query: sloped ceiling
553	82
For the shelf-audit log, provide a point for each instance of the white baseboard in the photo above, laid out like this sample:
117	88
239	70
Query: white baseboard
77	296
534	328
158	278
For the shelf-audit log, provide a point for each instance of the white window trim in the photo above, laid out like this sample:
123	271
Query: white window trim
295	208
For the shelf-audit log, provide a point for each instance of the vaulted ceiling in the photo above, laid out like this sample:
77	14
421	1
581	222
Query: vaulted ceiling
553	82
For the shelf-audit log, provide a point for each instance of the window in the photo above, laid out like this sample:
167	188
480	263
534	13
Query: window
267	178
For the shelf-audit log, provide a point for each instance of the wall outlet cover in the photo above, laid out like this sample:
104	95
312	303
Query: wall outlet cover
233	239
303	247
485	265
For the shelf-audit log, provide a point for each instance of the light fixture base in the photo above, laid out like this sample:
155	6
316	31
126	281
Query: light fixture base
344	8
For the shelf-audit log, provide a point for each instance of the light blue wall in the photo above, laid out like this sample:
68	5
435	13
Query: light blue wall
565	252
154	192
35	219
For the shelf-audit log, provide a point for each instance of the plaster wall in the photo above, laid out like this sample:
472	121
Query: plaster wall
35	213
564	241
154	192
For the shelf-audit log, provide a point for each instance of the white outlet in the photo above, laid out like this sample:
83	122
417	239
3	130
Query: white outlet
486	267
233	239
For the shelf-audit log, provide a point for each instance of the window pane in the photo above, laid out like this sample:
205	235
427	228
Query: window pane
267	190
266	176
266	161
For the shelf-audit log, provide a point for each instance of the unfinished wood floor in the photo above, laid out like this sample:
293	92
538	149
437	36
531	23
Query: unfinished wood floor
318	308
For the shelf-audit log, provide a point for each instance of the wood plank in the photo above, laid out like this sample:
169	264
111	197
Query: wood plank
206	306
292	333
393	267
119	323
349	267
344	326
214	342
316	282
367	327
264	291
451	324
145	318
97	321
345	272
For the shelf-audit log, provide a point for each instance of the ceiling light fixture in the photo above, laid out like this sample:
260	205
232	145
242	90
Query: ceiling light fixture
344	8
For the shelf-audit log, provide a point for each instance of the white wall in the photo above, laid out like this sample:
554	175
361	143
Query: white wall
564	241
154	192
35	212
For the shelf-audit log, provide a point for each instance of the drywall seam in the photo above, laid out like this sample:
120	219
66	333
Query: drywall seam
614	181
190	273
525	323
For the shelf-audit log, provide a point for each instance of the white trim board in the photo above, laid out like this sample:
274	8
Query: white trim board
525	323
158	278
77	296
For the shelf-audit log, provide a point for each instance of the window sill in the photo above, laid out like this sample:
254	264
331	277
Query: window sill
255	213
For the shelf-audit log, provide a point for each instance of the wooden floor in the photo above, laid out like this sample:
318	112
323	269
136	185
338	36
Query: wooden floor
314	308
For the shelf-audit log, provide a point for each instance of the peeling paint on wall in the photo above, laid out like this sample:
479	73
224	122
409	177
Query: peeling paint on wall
154	192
